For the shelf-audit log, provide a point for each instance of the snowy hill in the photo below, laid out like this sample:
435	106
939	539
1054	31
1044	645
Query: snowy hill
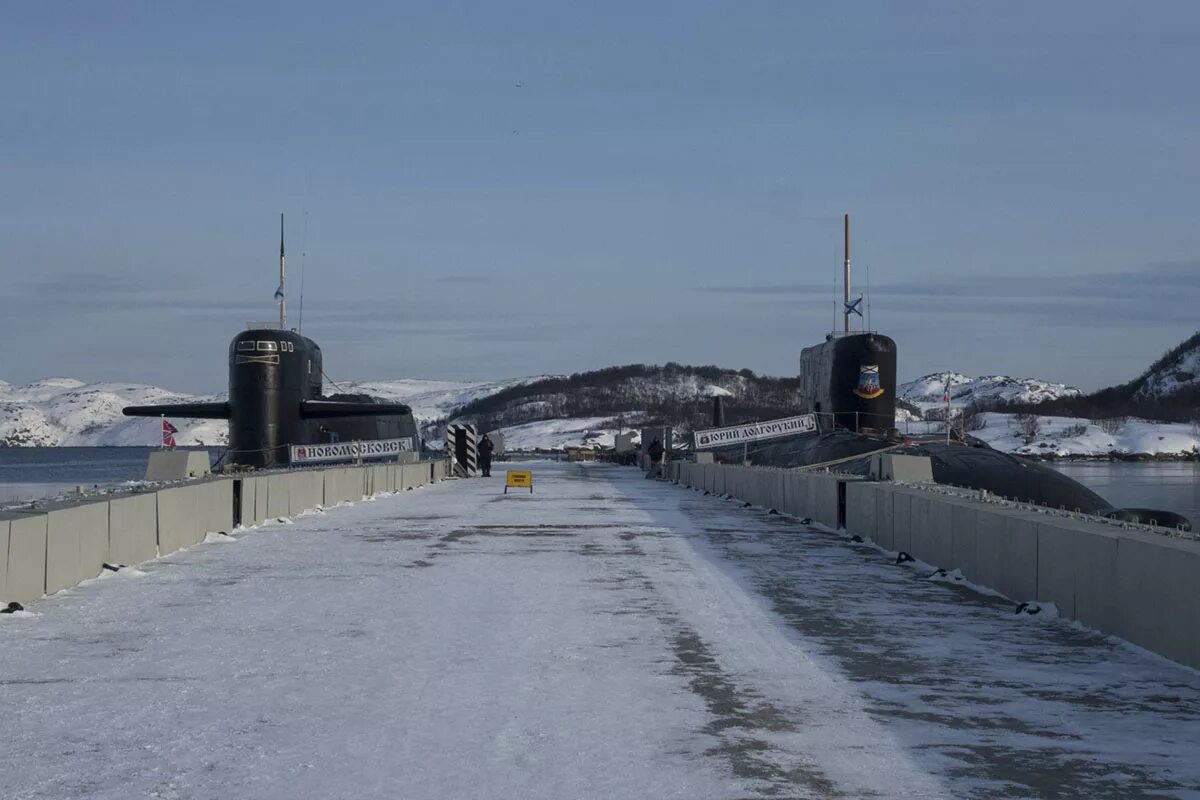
1176	372
432	400
66	412
927	392
1068	436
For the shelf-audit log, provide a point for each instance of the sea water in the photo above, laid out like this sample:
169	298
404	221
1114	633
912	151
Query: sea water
27	473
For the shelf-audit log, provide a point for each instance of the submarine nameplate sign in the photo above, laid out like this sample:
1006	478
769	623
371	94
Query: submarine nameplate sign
756	432
349	451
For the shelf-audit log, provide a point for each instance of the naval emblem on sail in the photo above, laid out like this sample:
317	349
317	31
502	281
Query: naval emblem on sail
868	382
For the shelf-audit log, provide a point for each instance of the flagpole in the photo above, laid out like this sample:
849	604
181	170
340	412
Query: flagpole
162	440
947	408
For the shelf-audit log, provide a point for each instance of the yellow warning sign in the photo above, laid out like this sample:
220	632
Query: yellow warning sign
519	479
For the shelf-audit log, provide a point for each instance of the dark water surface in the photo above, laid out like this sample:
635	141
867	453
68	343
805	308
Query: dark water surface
1168	485
30	472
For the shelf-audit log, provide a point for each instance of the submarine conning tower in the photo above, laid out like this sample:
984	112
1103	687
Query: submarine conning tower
275	384
267	368
849	381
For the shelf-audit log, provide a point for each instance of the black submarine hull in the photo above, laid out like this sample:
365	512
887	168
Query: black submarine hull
971	465
275	400
849	383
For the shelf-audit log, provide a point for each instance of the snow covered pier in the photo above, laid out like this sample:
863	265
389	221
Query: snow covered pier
606	637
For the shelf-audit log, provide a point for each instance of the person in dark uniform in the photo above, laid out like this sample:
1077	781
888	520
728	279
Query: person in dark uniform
485	455
656	453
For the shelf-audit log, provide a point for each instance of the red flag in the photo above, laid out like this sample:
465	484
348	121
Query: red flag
168	434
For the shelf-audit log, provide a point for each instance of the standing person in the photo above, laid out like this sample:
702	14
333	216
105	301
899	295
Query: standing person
485	455
656	454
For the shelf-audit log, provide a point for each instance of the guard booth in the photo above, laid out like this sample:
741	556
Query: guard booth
463	449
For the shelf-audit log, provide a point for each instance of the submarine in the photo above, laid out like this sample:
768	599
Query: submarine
276	397
848	383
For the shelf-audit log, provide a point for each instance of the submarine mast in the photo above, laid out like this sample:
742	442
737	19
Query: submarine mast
279	292
846	273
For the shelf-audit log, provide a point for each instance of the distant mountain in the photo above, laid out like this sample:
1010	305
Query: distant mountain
927	393
589	407
67	412
636	395
1169	391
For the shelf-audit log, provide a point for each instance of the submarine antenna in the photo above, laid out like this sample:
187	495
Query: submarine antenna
303	259
846	272
282	273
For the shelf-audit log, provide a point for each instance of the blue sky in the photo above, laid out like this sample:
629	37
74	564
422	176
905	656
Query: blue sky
492	190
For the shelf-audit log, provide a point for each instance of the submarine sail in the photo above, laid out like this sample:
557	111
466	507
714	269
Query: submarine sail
275	400
848	382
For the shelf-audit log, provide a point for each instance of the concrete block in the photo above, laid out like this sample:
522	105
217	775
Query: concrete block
1056	565
133	529
94	535
26	558
180	518
3	561
861	508
704	458
884	515
262	491
246	509
1006	549
964	545
1095	556
908	469
278	495
778	490
901	520
177	465
306	490
217	505
932	537
333	488
824	494
76	544
793	485
62	558
1158	593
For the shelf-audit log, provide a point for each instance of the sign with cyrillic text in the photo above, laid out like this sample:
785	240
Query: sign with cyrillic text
350	451
756	432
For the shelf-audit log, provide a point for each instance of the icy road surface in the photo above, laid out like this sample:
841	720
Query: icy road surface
608	637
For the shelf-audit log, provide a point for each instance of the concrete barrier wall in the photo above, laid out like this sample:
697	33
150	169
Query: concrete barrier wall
1140	586
216	503
181	520
246	510
43	553
344	485
26	558
133	529
76	544
278	495
307	491
4	561
262	491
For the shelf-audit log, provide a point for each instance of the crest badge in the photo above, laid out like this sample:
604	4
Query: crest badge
868	383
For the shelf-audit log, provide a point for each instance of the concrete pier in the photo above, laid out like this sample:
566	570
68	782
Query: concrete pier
608	637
